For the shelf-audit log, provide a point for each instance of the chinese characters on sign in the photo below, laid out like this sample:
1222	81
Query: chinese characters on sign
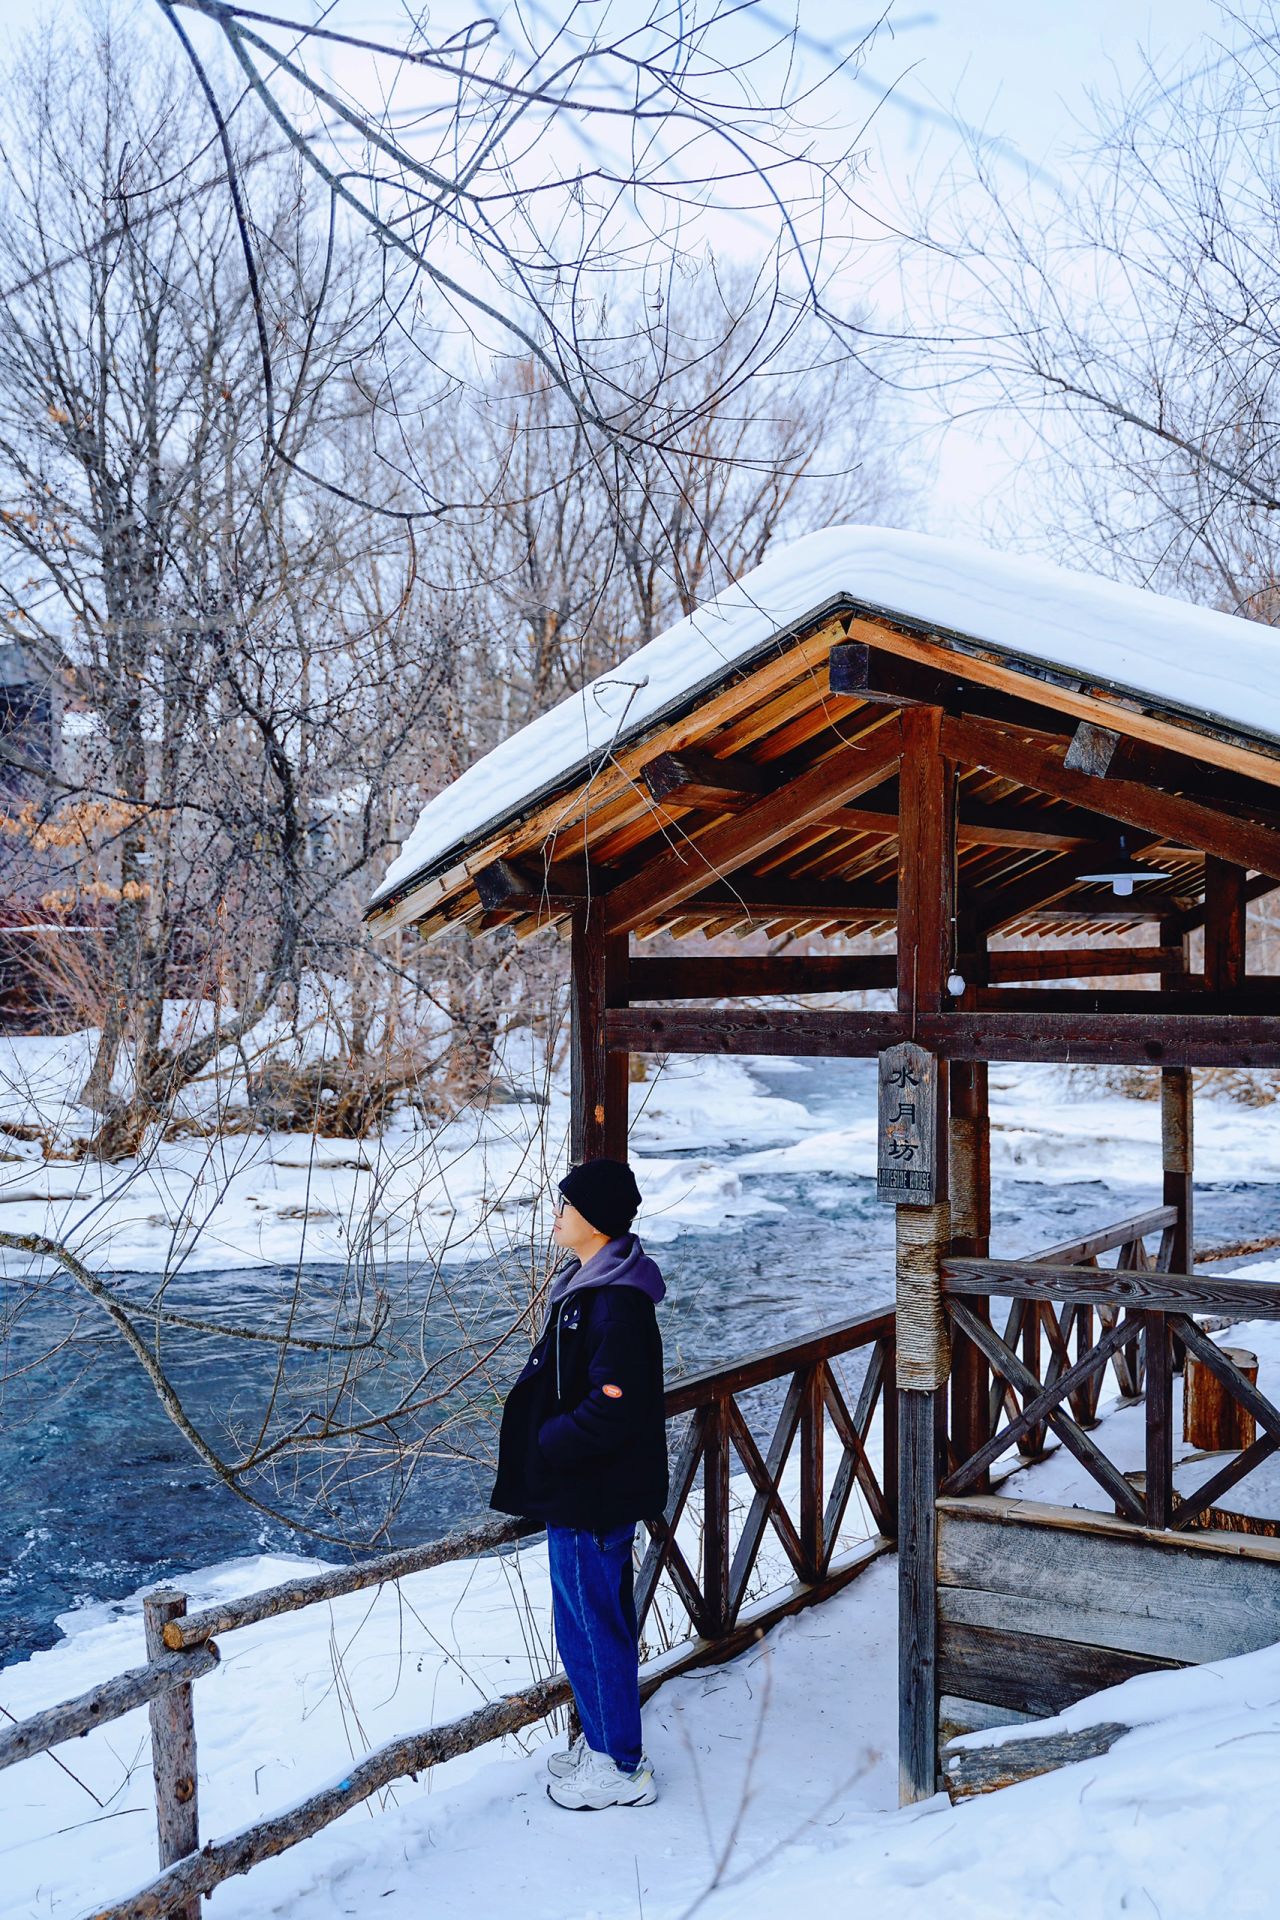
907	1139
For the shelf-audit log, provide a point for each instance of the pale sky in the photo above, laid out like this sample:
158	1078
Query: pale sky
1020	70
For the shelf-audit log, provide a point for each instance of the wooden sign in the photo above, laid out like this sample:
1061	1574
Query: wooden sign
907	1135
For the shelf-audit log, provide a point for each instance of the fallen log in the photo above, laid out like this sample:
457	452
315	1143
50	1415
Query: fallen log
968	1771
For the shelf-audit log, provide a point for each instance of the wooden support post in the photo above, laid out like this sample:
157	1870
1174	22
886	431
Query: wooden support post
1224	925
926	866
173	1749
715	1523
926	945
598	1077
970	1235
812	1421
923	1365
617	1064
917	1597
1178	1154
1176	1133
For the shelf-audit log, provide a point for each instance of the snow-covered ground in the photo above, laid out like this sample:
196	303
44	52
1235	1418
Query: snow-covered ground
777	1770
700	1128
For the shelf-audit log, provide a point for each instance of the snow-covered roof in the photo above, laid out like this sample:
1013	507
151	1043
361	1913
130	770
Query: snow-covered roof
1212	665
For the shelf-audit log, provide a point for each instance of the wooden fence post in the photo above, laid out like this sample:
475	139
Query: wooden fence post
812	1421
173	1749
1178	1155
715	1522
1159	1420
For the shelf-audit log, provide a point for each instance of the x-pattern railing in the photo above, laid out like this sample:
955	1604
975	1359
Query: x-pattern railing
1032	1322
714	1593
1135	1318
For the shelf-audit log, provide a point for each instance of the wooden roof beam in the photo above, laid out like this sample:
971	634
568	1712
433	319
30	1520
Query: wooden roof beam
1163	816
1132	911
862	672
686	868
730	976
698	780
1105	754
1141	1039
528	887
773	898
1044	886
513	887
729	785
1064	697
1261	995
1005	965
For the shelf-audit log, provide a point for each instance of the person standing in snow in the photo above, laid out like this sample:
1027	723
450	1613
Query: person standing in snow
583	1447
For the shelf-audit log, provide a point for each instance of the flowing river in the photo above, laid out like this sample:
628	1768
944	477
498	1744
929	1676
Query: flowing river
99	1493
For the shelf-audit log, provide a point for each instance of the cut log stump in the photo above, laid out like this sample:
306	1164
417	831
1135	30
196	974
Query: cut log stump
1212	1418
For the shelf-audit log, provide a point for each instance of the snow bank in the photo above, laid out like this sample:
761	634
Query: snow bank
415	1192
1176	1822
297	1697
1206	662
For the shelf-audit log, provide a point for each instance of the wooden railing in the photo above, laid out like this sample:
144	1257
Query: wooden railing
717	1598
1136	1318
718	1429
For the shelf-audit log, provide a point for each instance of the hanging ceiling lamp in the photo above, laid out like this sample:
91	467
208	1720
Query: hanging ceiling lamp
1124	870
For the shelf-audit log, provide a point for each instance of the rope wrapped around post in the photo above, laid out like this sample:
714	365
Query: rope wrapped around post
924	1344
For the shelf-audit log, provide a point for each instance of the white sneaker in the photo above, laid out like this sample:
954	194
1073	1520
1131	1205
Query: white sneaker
566	1760
598	1782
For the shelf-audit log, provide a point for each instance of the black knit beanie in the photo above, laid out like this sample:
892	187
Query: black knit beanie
605	1194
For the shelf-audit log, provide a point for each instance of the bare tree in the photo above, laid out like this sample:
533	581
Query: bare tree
1130	321
235	641
531	168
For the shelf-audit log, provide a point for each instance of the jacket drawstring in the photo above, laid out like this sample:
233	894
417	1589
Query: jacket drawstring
559	1397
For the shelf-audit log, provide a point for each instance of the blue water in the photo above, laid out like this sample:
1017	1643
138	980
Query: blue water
99	1493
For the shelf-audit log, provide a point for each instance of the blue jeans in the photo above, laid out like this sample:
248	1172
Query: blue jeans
595	1615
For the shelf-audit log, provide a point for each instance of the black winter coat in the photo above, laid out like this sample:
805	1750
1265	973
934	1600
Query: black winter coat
584	1441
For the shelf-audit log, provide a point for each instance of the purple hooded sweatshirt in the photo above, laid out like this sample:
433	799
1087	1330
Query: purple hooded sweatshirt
621	1262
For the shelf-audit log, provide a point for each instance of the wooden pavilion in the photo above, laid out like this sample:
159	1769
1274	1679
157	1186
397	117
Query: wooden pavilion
881	734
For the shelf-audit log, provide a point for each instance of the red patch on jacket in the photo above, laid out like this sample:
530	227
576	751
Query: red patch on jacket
614	1393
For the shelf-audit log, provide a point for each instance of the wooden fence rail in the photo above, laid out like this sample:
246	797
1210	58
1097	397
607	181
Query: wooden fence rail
715	1591
103	1703
462	1544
